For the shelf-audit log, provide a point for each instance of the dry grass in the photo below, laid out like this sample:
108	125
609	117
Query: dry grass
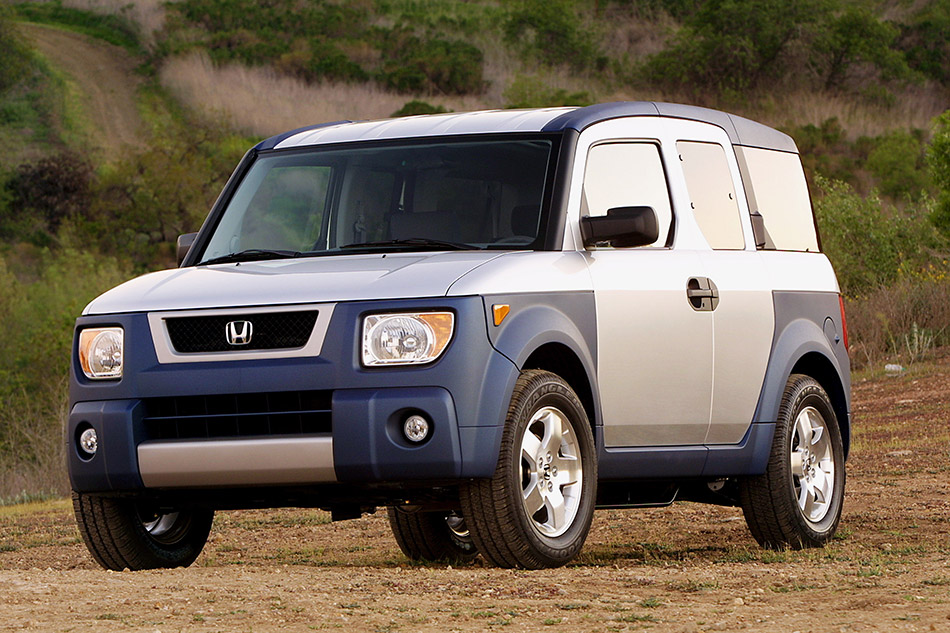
903	323
149	15
262	103
916	108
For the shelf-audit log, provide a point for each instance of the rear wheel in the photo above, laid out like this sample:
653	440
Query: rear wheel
433	536
131	534
797	502
536	510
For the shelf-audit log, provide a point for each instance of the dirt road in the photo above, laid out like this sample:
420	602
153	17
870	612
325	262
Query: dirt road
684	568
105	78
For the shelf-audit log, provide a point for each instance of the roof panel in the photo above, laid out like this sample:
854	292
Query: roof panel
741	131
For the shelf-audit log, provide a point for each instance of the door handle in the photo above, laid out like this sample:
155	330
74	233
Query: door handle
702	294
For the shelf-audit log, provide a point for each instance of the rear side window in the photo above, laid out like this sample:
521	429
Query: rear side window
775	187
627	175
712	193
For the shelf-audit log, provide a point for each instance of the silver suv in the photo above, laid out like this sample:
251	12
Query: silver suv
490	323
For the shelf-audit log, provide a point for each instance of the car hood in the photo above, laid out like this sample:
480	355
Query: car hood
292	281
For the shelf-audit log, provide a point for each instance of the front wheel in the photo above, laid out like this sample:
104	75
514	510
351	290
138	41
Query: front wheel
536	510
797	502
130	534
432	536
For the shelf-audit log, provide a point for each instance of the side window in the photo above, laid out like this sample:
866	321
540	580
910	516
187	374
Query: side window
775	187
712	193
627	175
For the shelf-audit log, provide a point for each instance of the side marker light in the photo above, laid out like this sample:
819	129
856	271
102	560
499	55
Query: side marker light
499	312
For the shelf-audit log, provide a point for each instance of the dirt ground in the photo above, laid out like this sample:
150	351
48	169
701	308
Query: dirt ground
684	568
106	81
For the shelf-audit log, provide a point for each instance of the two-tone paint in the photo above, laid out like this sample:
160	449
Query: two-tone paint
674	394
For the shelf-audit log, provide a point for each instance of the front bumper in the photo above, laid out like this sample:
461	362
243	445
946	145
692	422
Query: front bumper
464	394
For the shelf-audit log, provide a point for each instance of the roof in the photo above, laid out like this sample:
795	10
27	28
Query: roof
741	131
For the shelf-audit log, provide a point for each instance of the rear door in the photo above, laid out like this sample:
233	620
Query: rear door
743	314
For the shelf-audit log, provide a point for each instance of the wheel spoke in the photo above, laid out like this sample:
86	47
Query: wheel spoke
557	510
533	499
551	443
817	427
803	429
822	485
803	496
531	449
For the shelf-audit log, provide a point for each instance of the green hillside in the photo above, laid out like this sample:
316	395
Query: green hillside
862	87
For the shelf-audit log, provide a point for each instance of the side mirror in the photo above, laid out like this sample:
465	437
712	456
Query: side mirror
184	245
622	226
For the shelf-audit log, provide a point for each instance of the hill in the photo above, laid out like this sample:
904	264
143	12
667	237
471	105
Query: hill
124	121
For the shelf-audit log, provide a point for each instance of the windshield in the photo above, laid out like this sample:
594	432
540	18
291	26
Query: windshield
435	196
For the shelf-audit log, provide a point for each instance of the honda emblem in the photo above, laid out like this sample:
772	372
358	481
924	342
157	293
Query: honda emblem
239	332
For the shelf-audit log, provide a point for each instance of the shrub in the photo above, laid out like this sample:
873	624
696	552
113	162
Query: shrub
869	243
925	43
897	164
938	159
38	319
44	194
14	55
416	106
825	150
550	31
532	92
423	66
145	202
903	321
729	46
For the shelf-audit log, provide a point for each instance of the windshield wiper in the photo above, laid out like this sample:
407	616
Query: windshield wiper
250	255
416	241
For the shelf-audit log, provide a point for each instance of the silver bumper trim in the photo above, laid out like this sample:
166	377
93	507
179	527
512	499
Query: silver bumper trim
270	461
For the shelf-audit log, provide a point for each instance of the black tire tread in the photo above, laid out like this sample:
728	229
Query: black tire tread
493	519
114	535
425	536
770	512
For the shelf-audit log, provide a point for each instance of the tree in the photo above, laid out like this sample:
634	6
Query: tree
735	45
856	37
938	158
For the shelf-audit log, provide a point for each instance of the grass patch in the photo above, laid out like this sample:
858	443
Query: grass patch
114	29
22	508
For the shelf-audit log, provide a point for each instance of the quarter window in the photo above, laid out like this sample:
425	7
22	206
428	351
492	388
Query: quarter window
712	193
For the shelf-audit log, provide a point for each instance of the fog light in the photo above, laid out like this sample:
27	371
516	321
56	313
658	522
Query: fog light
89	442
416	428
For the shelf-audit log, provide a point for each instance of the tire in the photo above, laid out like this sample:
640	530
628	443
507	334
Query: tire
797	502
535	512
432	536
126	534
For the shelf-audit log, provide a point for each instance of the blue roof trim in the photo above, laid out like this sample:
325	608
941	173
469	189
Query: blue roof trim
274	141
584	117
741	131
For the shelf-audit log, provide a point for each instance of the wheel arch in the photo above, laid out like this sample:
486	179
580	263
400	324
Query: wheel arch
820	368
555	332
560	359
803	348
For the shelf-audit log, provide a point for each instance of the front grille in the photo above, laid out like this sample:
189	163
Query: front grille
238	415
269	330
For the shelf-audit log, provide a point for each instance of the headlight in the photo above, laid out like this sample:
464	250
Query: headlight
100	352
406	339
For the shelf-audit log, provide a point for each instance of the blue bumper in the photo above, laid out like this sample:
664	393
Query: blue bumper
465	395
